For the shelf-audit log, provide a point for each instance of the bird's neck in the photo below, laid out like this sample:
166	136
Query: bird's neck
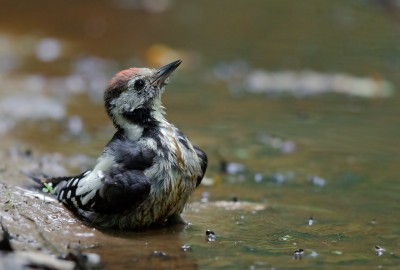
142	121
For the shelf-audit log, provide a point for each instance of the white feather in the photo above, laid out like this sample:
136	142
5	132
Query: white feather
92	182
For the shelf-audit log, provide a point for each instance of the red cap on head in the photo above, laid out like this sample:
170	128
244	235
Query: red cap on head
122	77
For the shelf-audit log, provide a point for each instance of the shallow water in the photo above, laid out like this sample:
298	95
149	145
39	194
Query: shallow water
333	157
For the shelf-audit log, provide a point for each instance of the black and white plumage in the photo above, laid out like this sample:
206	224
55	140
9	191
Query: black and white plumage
147	171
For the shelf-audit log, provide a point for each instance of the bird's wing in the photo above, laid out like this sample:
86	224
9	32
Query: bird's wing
131	155
203	163
200	153
117	183
123	190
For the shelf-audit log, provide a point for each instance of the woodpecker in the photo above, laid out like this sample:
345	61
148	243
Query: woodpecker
147	171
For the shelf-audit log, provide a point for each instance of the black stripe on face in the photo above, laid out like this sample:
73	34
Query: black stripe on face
141	117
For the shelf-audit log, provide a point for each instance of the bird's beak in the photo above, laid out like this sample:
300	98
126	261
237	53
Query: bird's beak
164	72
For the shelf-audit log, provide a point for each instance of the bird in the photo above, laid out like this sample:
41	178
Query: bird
148	170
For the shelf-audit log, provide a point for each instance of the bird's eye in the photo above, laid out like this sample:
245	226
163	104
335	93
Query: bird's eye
139	84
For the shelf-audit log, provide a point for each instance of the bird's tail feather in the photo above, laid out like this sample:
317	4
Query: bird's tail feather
42	179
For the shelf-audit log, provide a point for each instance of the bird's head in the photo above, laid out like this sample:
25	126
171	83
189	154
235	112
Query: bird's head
133	96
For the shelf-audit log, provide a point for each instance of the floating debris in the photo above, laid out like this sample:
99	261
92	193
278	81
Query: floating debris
310	221
317	181
232	167
210	236
286	238
313	254
379	250
298	254
186	248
